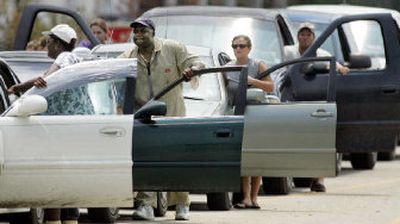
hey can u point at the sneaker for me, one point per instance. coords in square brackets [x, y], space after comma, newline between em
[182, 212]
[143, 212]
[317, 187]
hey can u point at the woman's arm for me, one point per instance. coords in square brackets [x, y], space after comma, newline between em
[265, 84]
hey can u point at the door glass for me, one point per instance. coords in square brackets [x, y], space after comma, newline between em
[329, 44]
[105, 97]
[365, 37]
[47, 20]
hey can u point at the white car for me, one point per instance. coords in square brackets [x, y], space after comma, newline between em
[97, 157]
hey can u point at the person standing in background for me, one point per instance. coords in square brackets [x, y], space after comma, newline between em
[241, 46]
[160, 62]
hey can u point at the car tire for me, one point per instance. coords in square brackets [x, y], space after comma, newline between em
[339, 158]
[103, 215]
[302, 182]
[363, 161]
[162, 204]
[34, 216]
[387, 156]
[219, 201]
[277, 185]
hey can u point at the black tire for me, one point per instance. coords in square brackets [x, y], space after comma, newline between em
[34, 216]
[277, 185]
[162, 204]
[387, 156]
[219, 201]
[363, 161]
[339, 158]
[237, 197]
[302, 182]
[103, 215]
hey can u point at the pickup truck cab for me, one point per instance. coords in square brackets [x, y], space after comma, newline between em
[322, 16]
[368, 97]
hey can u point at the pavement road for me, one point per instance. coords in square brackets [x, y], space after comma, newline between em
[367, 197]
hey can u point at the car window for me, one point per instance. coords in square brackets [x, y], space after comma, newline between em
[47, 20]
[329, 44]
[365, 37]
[104, 97]
[26, 70]
[217, 33]
[4, 100]
[208, 88]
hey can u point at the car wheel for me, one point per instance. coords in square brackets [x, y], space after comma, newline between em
[103, 215]
[339, 158]
[277, 185]
[363, 161]
[34, 216]
[302, 182]
[162, 204]
[219, 201]
[387, 156]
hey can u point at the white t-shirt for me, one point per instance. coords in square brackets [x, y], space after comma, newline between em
[292, 52]
[66, 58]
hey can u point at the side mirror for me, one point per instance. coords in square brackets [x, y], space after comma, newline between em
[223, 58]
[255, 96]
[314, 68]
[359, 61]
[150, 109]
[29, 105]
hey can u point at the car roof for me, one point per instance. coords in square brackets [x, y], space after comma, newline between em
[327, 13]
[87, 71]
[121, 47]
[28, 56]
[341, 9]
[215, 11]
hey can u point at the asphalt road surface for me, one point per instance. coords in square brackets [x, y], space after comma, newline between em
[369, 196]
[366, 197]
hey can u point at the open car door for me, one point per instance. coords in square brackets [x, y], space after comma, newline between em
[209, 154]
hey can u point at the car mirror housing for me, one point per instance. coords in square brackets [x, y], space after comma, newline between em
[358, 61]
[314, 68]
[28, 105]
[151, 108]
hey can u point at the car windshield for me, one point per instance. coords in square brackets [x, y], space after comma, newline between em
[208, 89]
[26, 70]
[217, 33]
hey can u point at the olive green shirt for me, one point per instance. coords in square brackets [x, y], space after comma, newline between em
[168, 60]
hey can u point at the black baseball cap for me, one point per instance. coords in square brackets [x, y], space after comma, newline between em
[143, 22]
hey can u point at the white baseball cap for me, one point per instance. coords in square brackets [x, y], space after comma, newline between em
[62, 31]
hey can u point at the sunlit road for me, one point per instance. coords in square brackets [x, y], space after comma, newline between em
[366, 197]
[371, 196]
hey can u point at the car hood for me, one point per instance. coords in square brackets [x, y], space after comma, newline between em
[202, 108]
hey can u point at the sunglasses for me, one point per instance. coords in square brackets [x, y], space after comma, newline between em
[241, 46]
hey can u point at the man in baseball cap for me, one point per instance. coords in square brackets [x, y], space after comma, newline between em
[143, 22]
[308, 26]
[161, 61]
[63, 31]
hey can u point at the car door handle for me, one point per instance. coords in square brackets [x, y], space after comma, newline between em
[321, 113]
[113, 132]
[389, 90]
[224, 133]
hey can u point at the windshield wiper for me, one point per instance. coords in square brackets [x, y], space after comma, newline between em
[192, 98]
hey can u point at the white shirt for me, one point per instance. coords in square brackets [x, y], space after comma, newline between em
[66, 58]
[292, 52]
